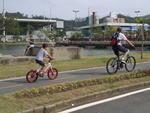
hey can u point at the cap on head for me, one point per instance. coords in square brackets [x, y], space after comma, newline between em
[119, 29]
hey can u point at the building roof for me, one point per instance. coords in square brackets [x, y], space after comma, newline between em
[115, 24]
[37, 20]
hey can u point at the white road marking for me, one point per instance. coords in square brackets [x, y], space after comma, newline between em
[81, 69]
[12, 86]
[16, 78]
[104, 101]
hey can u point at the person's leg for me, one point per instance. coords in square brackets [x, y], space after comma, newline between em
[42, 64]
[124, 50]
[116, 51]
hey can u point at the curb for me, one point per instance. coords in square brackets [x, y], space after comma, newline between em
[86, 99]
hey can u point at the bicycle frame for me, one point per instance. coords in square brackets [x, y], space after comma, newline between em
[49, 65]
[124, 54]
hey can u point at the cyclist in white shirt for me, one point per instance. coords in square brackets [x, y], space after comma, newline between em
[118, 47]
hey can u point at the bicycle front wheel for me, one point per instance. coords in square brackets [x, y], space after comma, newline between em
[52, 73]
[112, 66]
[130, 64]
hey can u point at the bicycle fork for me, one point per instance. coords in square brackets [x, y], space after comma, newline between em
[49, 67]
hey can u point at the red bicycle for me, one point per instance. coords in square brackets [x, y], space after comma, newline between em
[33, 75]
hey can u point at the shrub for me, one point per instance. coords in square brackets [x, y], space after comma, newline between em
[49, 90]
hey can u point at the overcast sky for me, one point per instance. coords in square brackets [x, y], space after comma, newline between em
[64, 8]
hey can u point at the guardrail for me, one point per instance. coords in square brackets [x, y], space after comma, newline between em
[95, 43]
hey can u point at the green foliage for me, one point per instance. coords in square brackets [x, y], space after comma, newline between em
[96, 32]
[109, 31]
[140, 20]
[12, 27]
[77, 36]
[49, 90]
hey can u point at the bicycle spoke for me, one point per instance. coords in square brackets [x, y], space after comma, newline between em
[130, 63]
[111, 66]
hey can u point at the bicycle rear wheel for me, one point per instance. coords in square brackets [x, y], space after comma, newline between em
[31, 76]
[112, 66]
[130, 63]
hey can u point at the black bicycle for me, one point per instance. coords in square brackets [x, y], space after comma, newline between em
[114, 64]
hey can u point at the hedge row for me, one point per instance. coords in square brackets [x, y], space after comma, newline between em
[49, 90]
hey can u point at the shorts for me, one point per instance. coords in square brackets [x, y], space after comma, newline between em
[41, 63]
[119, 48]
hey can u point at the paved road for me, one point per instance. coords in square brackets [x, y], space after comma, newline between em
[134, 103]
[8, 86]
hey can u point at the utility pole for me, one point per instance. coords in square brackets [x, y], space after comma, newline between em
[4, 17]
[89, 23]
[142, 45]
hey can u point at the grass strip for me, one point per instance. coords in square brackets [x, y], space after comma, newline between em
[49, 90]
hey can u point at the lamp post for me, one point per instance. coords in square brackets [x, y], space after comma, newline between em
[137, 15]
[75, 12]
[142, 45]
[137, 12]
[142, 34]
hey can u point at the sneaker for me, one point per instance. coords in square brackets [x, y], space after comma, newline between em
[41, 75]
[124, 62]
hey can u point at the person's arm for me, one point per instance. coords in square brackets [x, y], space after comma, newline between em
[128, 41]
[27, 50]
[49, 56]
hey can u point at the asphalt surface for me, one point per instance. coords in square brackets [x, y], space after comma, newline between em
[10, 86]
[138, 103]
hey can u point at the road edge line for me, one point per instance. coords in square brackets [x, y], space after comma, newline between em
[61, 106]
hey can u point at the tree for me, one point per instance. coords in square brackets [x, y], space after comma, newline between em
[12, 26]
[77, 36]
[109, 31]
[97, 33]
[1, 25]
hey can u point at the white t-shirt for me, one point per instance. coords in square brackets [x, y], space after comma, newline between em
[32, 45]
[121, 38]
[41, 54]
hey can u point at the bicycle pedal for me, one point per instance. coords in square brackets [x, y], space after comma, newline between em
[41, 75]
